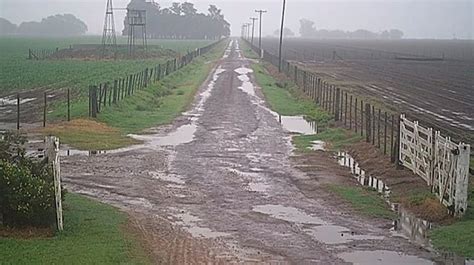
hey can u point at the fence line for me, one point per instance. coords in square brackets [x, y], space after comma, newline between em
[444, 165]
[108, 93]
[111, 92]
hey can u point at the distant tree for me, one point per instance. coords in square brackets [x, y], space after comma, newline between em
[6, 27]
[287, 32]
[307, 29]
[176, 8]
[57, 25]
[396, 34]
[181, 21]
[188, 9]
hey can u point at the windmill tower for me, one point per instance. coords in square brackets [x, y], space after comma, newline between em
[109, 39]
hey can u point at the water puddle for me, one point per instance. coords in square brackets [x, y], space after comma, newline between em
[317, 146]
[189, 223]
[334, 234]
[167, 177]
[182, 135]
[289, 214]
[12, 100]
[299, 125]
[382, 257]
[246, 86]
[346, 160]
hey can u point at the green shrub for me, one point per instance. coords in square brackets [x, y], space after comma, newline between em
[26, 186]
[27, 197]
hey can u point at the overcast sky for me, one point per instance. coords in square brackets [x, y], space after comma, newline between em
[416, 18]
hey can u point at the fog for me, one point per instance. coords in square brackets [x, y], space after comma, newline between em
[417, 19]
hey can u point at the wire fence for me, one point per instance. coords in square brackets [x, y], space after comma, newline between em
[379, 125]
[31, 108]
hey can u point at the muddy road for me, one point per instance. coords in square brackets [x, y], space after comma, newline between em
[220, 186]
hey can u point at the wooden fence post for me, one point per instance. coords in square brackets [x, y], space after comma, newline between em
[18, 111]
[52, 154]
[337, 104]
[385, 134]
[94, 102]
[378, 128]
[361, 117]
[356, 125]
[392, 153]
[368, 122]
[373, 124]
[68, 105]
[45, 106]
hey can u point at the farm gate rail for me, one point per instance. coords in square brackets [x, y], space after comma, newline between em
[443, 164]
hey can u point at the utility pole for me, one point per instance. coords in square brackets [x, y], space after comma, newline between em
[261, 12]
[281, 34]
[248, 30]
[253, 27]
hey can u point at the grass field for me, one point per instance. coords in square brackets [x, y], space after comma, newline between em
[18, 73]
[158, 104]
[94, 233]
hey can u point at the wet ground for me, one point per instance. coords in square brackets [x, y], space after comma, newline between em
[220, 186]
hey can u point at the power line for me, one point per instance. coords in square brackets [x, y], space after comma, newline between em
[281, 34]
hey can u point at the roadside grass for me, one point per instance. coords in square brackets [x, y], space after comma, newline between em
[87, 134]
[248, 52]
[458, 237]
[94, 233]
[335, 139]
[285, 98]
[363, 200]
[155, 105]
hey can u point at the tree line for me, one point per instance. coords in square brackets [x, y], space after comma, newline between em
[308, 30]
[57, 25]
[180, 21]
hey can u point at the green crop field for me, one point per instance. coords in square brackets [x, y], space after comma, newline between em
[19, 74]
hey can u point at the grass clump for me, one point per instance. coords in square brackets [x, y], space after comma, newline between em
[458, 237]
[363, 200]
[335, 139]
[93, 233]
[87, 134]
[286, 99]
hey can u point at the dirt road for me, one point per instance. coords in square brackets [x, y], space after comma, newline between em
[219, 186]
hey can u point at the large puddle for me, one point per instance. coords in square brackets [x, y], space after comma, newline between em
[382, 257]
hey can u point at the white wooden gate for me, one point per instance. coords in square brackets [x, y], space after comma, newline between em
[443, 164]
[451, 173]
[416, 148]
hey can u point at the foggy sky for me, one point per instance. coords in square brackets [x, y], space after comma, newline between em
[416, 18]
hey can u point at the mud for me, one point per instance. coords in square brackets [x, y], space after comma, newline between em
[232, 192]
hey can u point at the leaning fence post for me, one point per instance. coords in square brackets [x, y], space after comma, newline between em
[52, 154]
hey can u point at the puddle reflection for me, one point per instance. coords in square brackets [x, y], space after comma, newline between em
[298, 124]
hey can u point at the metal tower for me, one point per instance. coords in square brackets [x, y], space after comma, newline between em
[109, 38]
[136, 29]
